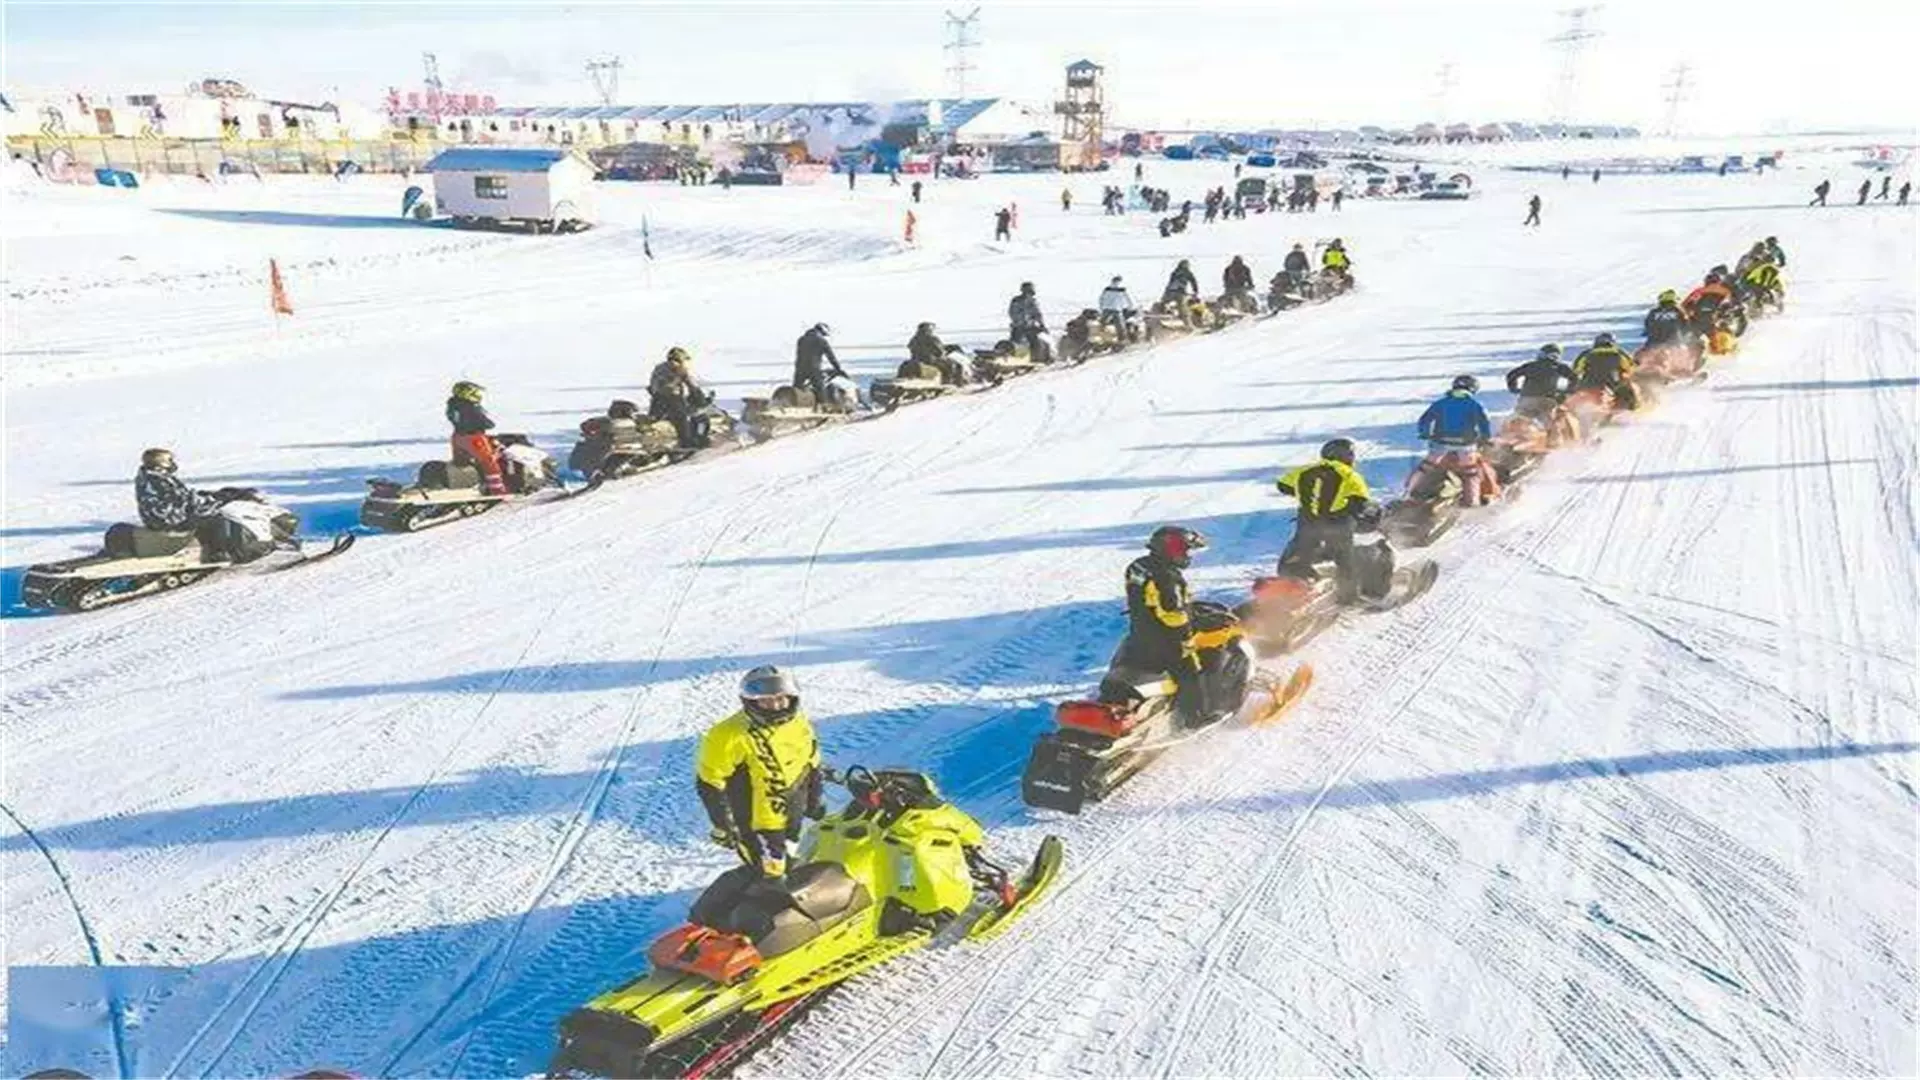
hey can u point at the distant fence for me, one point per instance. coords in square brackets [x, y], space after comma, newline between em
[74, 158]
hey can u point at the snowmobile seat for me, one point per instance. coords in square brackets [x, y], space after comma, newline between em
[133, 541]
[792, 397]
[778, 919]
[914, 369]
[823, 891]
[445, 475]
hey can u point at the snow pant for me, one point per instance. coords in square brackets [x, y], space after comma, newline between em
[1117, 320]
[1036, 342]
[479, 450]
[1001, 232]
[1536, 407]
[1331, 539]
[814, 382]
[1533, 218]
[1170, 654]
[691, 430]
[1480, 483]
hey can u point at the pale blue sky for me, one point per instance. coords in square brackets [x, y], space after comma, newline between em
[1756, 65]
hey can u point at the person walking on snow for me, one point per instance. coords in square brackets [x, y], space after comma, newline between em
[757, 772]
[470, 440]
[1003, 224]
[1866, 188]
[1339, 196]
[1066, 200]
[1886, 187]
[915, 191]
[1820, 191]
[1906, 188]
[1533, 211]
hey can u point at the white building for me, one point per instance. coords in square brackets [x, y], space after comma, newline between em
[212, 109]
[551, 190]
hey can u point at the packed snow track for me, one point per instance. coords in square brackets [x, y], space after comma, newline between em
[1632, 791]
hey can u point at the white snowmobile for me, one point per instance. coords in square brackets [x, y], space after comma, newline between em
[446, 491]
[791, 409]
[1139, 714]
[625, 441]
[136, 561]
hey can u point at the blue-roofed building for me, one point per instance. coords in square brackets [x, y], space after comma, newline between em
[551, 189]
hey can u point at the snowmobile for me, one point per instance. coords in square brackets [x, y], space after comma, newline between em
[1138, 714]
[913, 381]
[1236, 305]
[1593, 407]
[1088, 336]
[1674, 362]
[625, 441]
[446, 491]
[1523, 442]
[897, 868]
[1004, 361]
[792, 409]
[1293, 606]
[1180, 315]
[1438, 488]
[136, 561]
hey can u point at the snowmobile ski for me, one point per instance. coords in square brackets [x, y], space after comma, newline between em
[1282, 695]
[339, 543]
[1410, 583]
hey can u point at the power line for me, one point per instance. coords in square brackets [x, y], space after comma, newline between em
[1572, 44]
[960, 42]
[605, 74]
[1676, 88]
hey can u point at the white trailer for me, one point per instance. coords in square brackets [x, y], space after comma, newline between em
[546, 190]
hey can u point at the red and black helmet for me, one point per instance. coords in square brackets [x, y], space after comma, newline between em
[1176, 544]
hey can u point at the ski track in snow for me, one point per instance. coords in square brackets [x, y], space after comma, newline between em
[1631, 791]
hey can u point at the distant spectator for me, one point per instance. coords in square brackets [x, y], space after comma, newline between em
[1003, 224]
[1906, 189]
[1820, 192]
[1533, 211]
[1886, 187]
[1866, 188]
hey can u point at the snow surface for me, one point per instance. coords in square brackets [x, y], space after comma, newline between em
[1632, 791]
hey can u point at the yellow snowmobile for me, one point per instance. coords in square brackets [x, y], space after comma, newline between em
[893, 869]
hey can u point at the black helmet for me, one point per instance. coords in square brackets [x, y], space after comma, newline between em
[1026, 288]
[925, 327]
[1772, 241]
[822, 329]
[1603, 340]
[1176, 544]
[1722, 270]
[1550, 351]
[1466, 382]
[158, 458]
[769, 696]
[1182, 264]
[1340, 450]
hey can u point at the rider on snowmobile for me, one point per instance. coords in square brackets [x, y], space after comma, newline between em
[470, 440]
[758, 772]
[1454, 427]
[1335, 259]
[1666, 323]
[1297, 265]
[675, 397]
[1775, 252]
[1607, 366]
[1703, 304]
[925, 347]
[166, 503]
[1334, 504]
[1181, 284]
[1159, 612]
[1026, 326]
[1116, 306]
[1540, 384]
[1238, 276]
[814, 362]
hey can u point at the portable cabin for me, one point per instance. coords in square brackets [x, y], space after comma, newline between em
[546, 190]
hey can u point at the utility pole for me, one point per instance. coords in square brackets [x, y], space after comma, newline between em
[960, 43]
[1572, 45]
[1442, 92]
[436, 90]
[1676, 88]
[605, 74]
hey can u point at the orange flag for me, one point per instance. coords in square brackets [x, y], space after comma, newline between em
[911, 222]
[281, 305]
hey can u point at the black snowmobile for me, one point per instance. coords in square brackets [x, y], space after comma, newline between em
[1428, 510]
[446, 491]
[136, 561]
[1138, 714]
[1298, 602]
[626, 441]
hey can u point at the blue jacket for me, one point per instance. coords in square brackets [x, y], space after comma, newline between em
[1457, 417]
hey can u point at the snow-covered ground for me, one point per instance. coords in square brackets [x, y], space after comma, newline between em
[1632, 791]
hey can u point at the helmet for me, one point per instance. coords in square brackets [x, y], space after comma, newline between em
[1340, 450]
[1176, 544]
[1299, 247]
[1722, 270]
[1771, 241]
[1026, 288]
[926, 327]
[1089, 313]
[1713, 276]
[1115, 283]
[1668, 296]
[1550, 351]
[1336, 244]
[822, 329]
[1466, 382]
[1603, 341]
[678, 355]
[159, 458]
[769, 696]
[1181, 265]
[468, 391]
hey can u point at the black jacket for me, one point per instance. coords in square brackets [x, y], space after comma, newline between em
[1298, 263]
[1603, 367]
[812, 356]
[467, 417]
[926, 348]
[1158, 616]
[1183, 275]
[1540, 378]
[166, 502]
[1239, 276]
[1664, 324]
[1024, 314]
